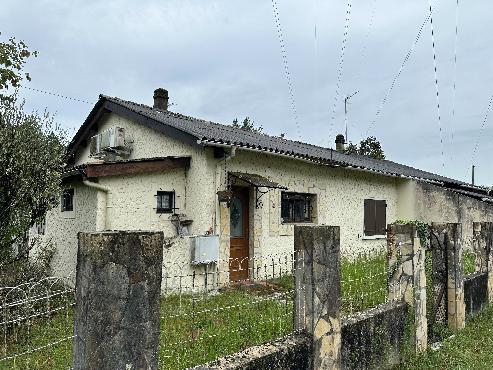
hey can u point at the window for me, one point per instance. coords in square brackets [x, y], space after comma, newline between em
[297, 207]
[165, 201]
[40, 226]
[375, 217]
[68, 200]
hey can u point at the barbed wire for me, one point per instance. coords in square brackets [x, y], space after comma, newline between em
[454, 88]
[485, 119]
[436, 85]
[59, 95]
[396, 77]
[341, 67]
[284, 57]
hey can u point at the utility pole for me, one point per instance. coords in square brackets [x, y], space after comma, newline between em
[346, 99]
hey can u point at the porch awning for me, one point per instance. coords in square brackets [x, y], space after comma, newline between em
[257, 180]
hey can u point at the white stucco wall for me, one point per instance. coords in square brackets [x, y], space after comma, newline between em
[340, 195]
[62, 228]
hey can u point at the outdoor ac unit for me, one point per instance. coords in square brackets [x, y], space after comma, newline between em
[110, 140]
[205, 249]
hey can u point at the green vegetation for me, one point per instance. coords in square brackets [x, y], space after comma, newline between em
[469, 260]
[199, 328]
[195, 329]
[363, 282]
[470, 349]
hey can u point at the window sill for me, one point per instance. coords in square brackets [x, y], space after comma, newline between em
[299, 223]
[373, 237]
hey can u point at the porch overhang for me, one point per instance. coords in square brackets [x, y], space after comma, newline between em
[257, 180]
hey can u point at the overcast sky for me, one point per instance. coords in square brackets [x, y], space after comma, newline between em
[222, 59]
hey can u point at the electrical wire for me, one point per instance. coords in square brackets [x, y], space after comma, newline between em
[284, 57]
[341, 66]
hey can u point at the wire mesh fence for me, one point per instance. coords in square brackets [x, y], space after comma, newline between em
[225, 308]
[364, 279]
[36, 324]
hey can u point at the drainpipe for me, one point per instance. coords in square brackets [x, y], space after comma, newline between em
[101, 218]
[217, 181]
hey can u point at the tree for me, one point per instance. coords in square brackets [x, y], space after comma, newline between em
[13, 56]
[31, 154]
[247, 125]
[370, 147]
[31, 161]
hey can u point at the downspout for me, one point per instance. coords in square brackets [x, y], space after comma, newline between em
[218, 186]
[101, 219]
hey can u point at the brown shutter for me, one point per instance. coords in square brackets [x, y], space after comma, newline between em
[381, 216]
[369, 215]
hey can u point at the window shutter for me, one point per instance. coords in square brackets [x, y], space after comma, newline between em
[369, 216]
[381, 216]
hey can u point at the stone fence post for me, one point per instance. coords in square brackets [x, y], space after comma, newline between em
[318, 292]
[407, 277]
[483, 235]
[118, 286]
[450, 235]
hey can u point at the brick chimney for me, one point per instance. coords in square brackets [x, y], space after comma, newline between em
[340, 143]
[161, 99]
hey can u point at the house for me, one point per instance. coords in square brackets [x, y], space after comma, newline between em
[133, 166]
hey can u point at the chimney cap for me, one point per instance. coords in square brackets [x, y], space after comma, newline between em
[161, 93]
[340, 139]
[160, 99]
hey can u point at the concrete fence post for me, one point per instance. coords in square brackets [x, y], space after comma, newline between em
[118, 284]
[318, 292]
[483, 235]
[450, 235]
[407, 277]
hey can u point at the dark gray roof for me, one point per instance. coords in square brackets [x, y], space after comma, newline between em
[206, 132]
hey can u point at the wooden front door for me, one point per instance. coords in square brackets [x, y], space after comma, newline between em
[239, 230]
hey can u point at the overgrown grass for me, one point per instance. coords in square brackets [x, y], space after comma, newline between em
[470, 349]
[199, 328]
[194, 329]
[364, 282]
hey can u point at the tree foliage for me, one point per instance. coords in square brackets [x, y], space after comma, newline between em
[247, 125]
[370, 147]
[31, 160]
[13, 56]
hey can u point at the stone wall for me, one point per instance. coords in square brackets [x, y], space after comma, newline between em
[288, 353]
[375, 339]
[475, 293]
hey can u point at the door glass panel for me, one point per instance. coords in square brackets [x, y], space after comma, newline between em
[236, 217]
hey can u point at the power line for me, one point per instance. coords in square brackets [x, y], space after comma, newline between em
[485, 119]
[59, 95]
[396, 77]
[341, 66]
[436, 84]
[284, 57]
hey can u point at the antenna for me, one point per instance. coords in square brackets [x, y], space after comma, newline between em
[473, 167]
[346, 99]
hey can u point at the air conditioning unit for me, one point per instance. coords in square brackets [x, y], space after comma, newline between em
[109, 141]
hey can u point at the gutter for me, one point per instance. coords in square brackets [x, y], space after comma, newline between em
[107, 191]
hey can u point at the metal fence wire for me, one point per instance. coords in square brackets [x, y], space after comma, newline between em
[364, 279]
[225, 308]
[36, 324]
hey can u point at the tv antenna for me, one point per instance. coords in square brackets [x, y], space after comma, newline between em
[346, 99]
